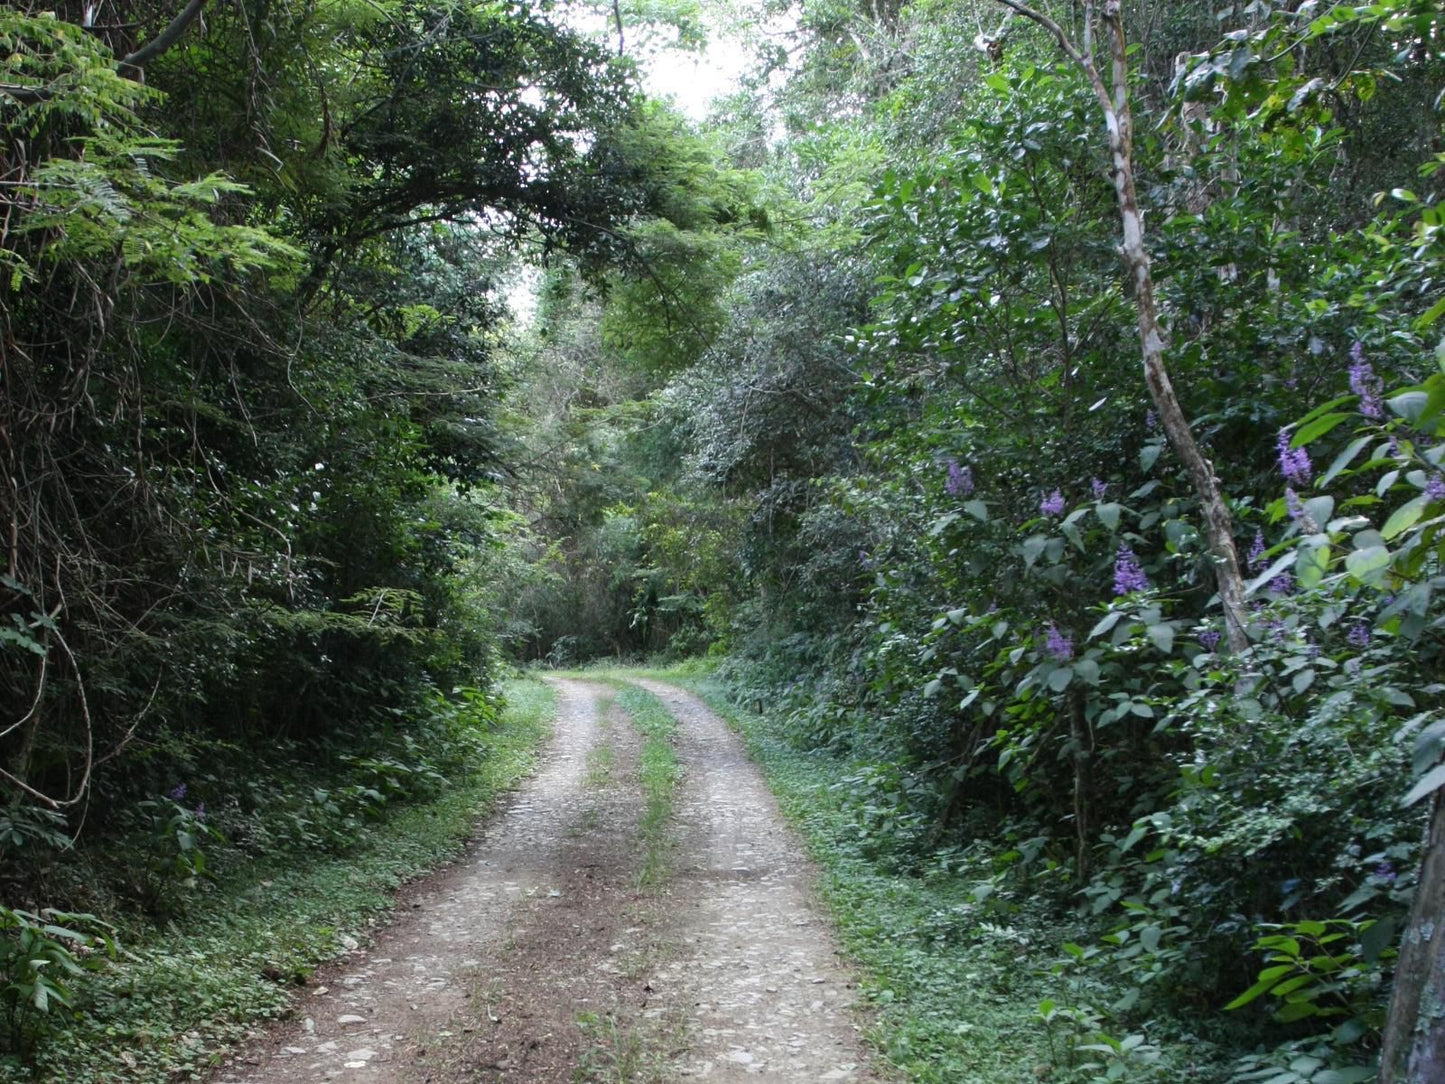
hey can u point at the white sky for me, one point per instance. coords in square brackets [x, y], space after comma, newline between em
[693, 81]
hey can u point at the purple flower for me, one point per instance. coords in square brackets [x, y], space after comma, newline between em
[201, 812]
[1282, 584]
[1386, 872]
[1435, 488]
[1128, 576]
[1099, 488]
[1057, 644]
[1053, 504]
[1394, 446]
[960, 480]
[1293, 505]
[1256, 553]
[1299, 513]
[1151, 420]
[1294, 463]
[178, 793]
[1365, 384]
[1209, 639]
[1359, 634]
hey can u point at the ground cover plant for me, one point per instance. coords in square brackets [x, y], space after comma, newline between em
[232, 947]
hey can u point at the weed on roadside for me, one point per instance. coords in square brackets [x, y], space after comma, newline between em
[229, 960]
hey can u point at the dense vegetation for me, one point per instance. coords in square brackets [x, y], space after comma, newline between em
[904, 476]
[843, 389]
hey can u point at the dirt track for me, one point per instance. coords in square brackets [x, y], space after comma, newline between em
[536, 957]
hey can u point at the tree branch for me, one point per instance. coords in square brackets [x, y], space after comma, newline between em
[162, 41]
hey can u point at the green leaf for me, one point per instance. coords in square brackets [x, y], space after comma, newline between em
[1404, 517]
[1345, 458]
[1368, 565]
[1320, 509]
[977, 509]
[1161, 636]
[1109, 515]
[1033, 548]
[1060, 678]
[1105, 623]
[1317, 428]
[1430, 782]
[1355, 1074]
[1149, 455]
[1313, 563]
[1267, 979]
[1409, 405]
[1149, 937]
[1323, 409]
[1376, 938]
[1430, 315]
[1280, 563]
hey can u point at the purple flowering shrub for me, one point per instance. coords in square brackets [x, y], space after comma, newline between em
[175, 863]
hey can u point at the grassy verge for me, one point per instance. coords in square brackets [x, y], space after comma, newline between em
[227, 963]
[957, 980]
[659, 773]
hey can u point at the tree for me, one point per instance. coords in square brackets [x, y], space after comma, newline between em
[1108, 23]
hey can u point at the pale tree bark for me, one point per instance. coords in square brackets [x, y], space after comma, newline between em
[1414, 1039]
[1119, 123]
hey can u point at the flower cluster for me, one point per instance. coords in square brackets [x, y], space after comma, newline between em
[1099, 488]
[1256, 553]
[1365, 384]
[1435, 488]
[1128, 576]
[178, 793]
[1297, 512]
[1057, 644]
[960, 480]
[1053, 504]
[1209, 639]
[1359, 634]
[1294, 463]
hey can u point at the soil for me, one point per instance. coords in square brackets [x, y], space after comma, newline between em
[539, 957]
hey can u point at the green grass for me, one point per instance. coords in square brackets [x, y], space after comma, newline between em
[659, 774]
[201, 982]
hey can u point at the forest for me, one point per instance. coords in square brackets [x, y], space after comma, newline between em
[1028, 421]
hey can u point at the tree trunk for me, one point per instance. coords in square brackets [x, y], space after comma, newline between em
[1414, 1040]
[1218, 524]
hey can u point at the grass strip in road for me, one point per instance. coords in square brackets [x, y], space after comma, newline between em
[659, 772]
[601, 758]
[220, 968]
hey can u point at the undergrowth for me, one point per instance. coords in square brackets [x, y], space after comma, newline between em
[228, 960]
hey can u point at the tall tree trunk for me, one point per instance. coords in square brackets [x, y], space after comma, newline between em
[1414, 1040]
[1118, 121]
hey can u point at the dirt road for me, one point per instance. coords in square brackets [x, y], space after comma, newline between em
[539, 957]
